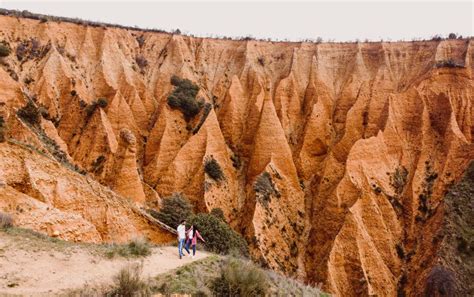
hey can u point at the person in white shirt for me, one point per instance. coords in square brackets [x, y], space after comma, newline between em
[181, 237]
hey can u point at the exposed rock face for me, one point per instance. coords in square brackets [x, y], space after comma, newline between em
[335, 156]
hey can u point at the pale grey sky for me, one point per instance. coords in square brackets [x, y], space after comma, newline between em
[335, 20]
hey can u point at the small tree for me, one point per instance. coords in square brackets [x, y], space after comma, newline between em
[220, 238]
[174, 209]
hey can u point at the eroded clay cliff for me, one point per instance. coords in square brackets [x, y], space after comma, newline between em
[335, 156]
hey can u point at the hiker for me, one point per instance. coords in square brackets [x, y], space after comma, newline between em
[181, 237]
[189, 238]
[196, 235]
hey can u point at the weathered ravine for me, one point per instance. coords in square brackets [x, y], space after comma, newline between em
[336, 156]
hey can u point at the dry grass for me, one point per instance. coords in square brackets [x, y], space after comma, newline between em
[6, 220]
[129, 283]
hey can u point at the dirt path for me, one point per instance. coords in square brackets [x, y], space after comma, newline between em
[32, 268]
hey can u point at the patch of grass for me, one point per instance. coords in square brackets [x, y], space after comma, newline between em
[174, 209]
[213, 169]
[240, 278]
[183, 97]
[33, 236]
[193, 279]
[135, 248]
[128, 283]
[199, 277]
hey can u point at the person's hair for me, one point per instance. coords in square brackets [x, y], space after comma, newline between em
[182, 221]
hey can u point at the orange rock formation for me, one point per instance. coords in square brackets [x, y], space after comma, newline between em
[335, 156]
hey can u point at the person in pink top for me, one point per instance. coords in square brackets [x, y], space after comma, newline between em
[194, 239]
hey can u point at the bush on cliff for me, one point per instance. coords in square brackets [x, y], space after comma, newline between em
[101, 102]
[213, 169]
[174, 209]
[31, 113]
[219, 236]
[4, 49]
[183, 97]
[240, 278]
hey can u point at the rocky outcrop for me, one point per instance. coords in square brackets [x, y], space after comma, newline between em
[335, 157]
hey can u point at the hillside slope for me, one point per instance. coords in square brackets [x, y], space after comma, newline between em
[354, 144]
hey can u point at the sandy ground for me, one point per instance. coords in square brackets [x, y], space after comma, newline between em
[28, 268]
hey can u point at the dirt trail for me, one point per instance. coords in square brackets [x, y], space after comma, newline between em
[32, 268]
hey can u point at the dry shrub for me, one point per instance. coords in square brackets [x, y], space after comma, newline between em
[6, 220]
[129, 283]
[240, 278]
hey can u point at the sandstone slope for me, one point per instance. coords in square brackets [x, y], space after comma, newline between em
[335, 156]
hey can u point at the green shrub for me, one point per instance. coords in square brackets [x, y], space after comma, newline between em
[128, 283]
[6, 220]
[218, 213]
[183, 97]
[4, 49]
[219, 237]
[174, 209]
[240, 278]
[30, 113]
[101, 102]
[213, 169]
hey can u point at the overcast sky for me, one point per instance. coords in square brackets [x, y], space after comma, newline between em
[340, 21]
